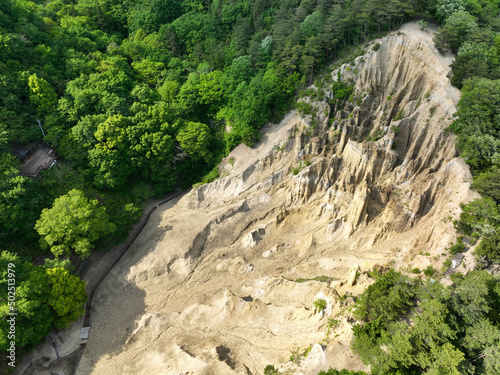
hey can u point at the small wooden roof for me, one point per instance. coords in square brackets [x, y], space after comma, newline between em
[458, 257]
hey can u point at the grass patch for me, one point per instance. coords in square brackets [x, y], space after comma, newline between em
[399, 116]
[323, 279]
[379, 133]
[320, 304]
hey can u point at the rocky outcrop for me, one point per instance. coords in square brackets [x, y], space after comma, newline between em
[226, 280]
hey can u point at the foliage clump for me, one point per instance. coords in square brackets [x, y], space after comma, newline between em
[387, 299]
[305, 109]
[332, 371]
[432, 329]
[73, 224]
[320, 304]
[67, 296]
[429, 271]
[270, 370]
[44, 299]
[341, 90]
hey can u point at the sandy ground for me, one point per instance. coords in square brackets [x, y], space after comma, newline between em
[414, 30]
[67, 341]
[208, 287]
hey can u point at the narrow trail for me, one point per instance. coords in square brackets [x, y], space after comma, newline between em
[123, 250]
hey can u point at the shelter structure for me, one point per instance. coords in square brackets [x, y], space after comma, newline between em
[35, 157]
[456, 260]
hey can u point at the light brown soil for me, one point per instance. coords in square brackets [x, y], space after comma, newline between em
[209, 286]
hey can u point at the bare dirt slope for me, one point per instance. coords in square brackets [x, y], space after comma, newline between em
[209, 286]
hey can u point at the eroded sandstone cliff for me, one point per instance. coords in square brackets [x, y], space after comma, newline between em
[210, 286]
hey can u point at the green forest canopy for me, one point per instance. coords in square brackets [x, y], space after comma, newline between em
[427, 328]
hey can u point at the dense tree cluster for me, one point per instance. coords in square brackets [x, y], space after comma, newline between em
[471, 29]
[341, 372]
[44, 298]
[73, 223]
[428, 328]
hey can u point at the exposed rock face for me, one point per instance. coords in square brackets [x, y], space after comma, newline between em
[208, 287]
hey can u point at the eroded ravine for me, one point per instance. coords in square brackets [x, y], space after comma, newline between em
[207, 288]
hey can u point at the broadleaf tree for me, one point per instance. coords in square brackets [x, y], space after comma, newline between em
[67, 296]
[73, 224]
